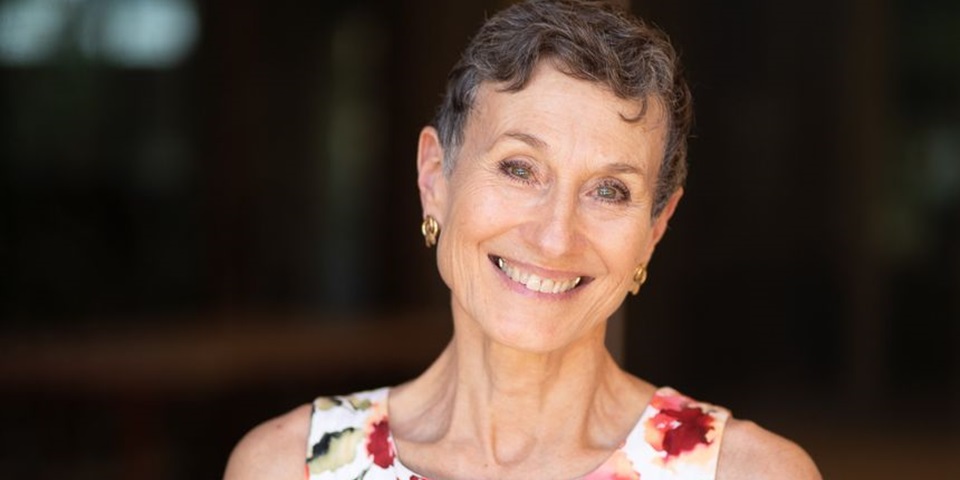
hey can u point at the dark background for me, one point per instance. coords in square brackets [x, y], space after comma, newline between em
[192, 243]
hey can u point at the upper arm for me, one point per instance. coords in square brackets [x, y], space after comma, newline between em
[749, 452]
[275, 449]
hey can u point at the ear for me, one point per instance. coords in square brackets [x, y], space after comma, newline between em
[430, 177]
[660, 223]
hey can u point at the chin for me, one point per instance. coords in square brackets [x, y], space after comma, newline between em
[533, 335]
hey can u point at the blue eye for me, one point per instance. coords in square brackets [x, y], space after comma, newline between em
[517, 170]
[521, 172]
[612, 192]
[607, 192]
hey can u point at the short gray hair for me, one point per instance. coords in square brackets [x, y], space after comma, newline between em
[588, 40]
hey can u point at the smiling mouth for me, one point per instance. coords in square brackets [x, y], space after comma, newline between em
[535, 282]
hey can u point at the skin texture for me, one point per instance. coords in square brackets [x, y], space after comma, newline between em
[555, 182]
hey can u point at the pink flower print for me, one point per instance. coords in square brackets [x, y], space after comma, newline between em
[617, 467]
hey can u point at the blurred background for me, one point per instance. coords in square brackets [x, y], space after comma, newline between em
[209, 215]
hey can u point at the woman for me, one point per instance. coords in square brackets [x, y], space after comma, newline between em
[556, 160]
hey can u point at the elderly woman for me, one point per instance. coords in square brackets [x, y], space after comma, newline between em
[553, 166]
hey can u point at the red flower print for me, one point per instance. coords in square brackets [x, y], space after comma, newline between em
[682, 429]
[379, 445]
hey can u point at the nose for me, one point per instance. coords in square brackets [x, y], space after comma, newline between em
[557, 229]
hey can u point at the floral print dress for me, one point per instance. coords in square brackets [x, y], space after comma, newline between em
[675, 438]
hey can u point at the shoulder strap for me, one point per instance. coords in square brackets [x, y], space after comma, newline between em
[677, 437]
[342, 430]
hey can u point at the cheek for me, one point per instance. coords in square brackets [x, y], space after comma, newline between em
[469, 220]
[477, 208]
[623, 249]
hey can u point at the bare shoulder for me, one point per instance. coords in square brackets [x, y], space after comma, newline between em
[274, 449]
[749, 452]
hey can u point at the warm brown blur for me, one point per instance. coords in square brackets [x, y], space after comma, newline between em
[200, 234]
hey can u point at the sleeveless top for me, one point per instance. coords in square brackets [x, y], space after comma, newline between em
[675, 438]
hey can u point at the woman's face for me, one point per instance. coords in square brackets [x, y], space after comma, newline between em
[548, 211]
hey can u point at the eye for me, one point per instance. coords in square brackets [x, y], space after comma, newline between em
[517, 170]
[612, 191]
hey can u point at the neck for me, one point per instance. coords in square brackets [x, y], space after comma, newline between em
[496, 375]
[516, 399]
[519, 404]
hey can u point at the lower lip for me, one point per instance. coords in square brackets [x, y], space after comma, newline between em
[523, 290]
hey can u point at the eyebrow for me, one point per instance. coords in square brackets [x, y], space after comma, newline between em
[625, 168]
[531, 140]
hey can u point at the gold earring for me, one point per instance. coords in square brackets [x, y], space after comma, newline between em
[430, 229]
[639, 276]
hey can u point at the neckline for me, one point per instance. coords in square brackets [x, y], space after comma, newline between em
[405, 472]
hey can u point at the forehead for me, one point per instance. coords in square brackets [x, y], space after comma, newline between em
[568, 115]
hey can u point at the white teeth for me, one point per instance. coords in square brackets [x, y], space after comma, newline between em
[534, 282]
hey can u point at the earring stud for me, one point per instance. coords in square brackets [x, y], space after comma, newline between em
[639, 277]
[430, 229]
